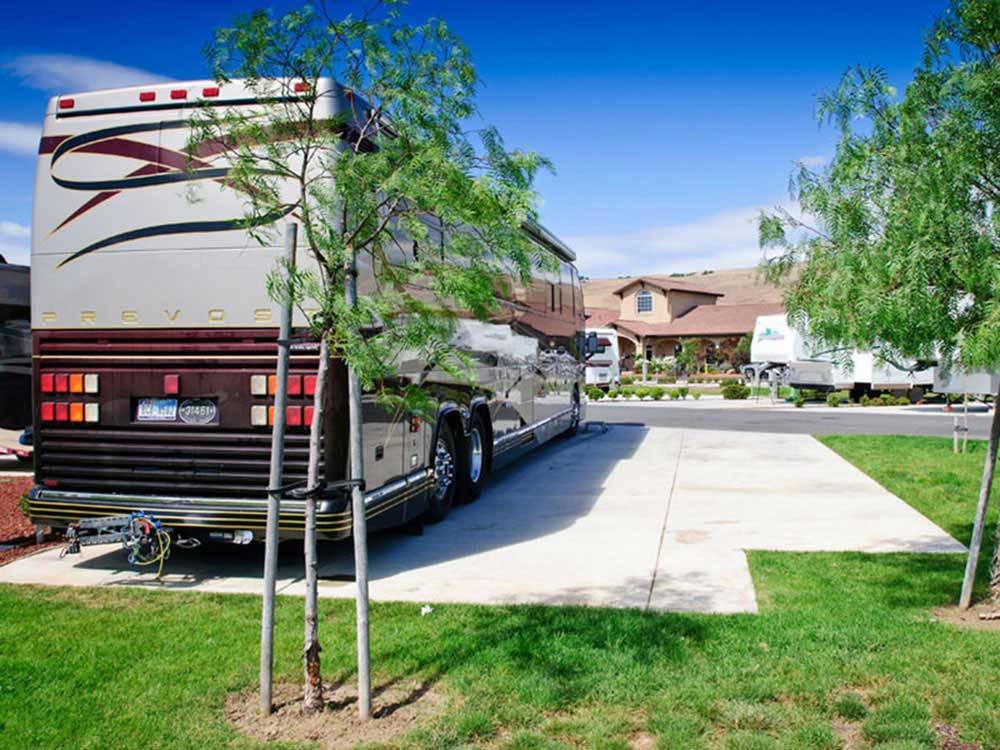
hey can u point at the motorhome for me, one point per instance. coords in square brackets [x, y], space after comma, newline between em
[155, 342]
[603, 368]
[785, 355]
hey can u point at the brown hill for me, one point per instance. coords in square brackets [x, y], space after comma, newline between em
[740, 286]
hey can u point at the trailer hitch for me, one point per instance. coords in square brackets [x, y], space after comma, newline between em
[146, 540]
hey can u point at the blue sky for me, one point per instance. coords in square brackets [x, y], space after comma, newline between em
[669, 123]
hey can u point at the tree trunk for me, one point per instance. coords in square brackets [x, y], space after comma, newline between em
[312, 698]
[965, 600]
[358, 513]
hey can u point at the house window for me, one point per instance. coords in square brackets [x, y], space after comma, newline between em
[644, 302]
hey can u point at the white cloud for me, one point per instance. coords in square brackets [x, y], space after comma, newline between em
[19, 139]
[15, 242]
[812, 162]
[66, 74]
[722, 240]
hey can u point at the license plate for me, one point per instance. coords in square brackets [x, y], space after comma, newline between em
[157, 410]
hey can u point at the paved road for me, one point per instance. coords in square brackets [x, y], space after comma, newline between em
[814, 420]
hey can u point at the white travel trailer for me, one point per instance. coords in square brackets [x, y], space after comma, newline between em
[972, 382]
[789, 357]
[603, 369]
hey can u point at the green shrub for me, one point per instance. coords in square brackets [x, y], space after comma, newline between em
[865, 400]
[613, 393]
[627, 379]
[674, 394]
[657, 392]
[696, 395]
[641, 392]
[800, 401]
[836, 398]
[593, 392]
[735, 391]
[902, 401]
[683, 392]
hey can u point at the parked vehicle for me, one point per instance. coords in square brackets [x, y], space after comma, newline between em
[15, 346]
[603, 367]
[156, 343]
[786, 356]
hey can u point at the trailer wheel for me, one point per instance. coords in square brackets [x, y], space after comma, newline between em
[476, 460]
[446, 468]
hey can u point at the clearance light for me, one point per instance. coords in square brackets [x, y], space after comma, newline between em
[62, 383]
[270, 415]
[309, 385]
[258, 416]
[178, 94]
[76, 411]
[294, 385]
[47, 383]
[62, 412]
[210, 91]
[90, 383]
[172, 384]
[47, 411]
[258, 385]
[293, 416]
[76, 382]
[66, 104]
[272, 385]
[147, 96]
[91, 413]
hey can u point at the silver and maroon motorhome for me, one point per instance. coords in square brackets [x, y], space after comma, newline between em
[154, 344]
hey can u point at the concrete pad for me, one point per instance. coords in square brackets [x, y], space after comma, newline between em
[645, 518]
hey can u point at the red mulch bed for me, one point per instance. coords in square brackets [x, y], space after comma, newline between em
[14, 527]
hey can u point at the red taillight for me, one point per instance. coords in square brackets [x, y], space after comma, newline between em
[47, 411]
[307, 415]
[294, 385]
[301, 86]
[62, 412]
[47, 383]
[66, 104]
[62, 383]
[50, 482]
[414, 424]
[293, 416]
[178, 94]
[210, 91]
[172, 384]
[309, 383]
[147, 96]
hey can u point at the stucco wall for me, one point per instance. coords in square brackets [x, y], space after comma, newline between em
[682, 302]
[660, 313]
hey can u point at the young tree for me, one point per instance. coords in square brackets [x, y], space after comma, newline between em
[361, 136]
[900, 248]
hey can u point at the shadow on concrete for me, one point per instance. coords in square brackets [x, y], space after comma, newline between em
[541, 494]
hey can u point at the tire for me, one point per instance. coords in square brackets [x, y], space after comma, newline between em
[447, 463]
[475, 460]
[574, 425]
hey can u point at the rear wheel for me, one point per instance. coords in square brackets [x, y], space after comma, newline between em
[476, 459]
[574, 418]
[442, 495]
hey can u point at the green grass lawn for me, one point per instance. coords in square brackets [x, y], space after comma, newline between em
[843, 640]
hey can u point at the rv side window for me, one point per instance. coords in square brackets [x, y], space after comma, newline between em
[552, 297]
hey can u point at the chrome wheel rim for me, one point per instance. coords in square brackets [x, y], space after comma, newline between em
[444, 469]
[475, 455]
